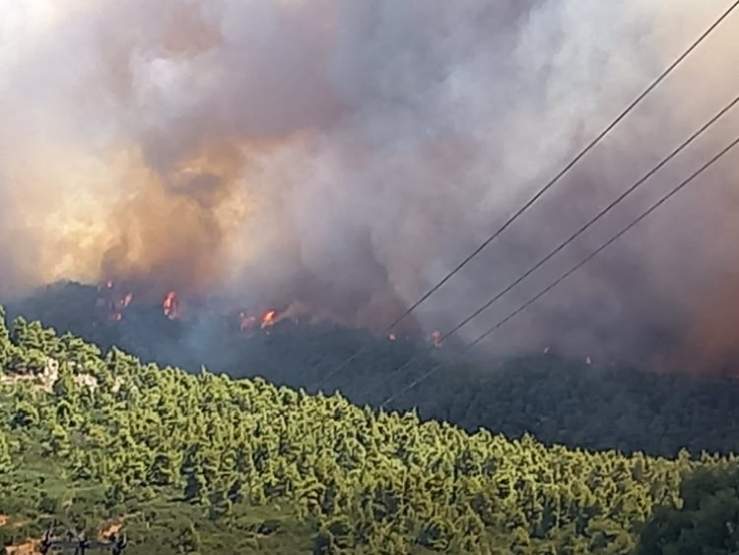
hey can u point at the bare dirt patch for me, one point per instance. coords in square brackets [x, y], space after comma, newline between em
[31, 547]
[112, 527]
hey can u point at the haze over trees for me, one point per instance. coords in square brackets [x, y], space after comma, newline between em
[556, 399]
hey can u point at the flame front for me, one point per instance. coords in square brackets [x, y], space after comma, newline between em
[249, 322]
[171, 305]
[269, 319]
[113, 303]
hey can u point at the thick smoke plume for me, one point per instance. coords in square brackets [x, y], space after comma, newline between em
[345, 155]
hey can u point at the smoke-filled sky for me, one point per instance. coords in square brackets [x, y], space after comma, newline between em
[346, 155]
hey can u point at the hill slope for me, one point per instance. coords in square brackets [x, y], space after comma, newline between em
[558, 400]
[207, 463]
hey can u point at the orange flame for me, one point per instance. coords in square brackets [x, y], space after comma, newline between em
[113, 303]
[171, 305]
[269, 319]
[120, 306]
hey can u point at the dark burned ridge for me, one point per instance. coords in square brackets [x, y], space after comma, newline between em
[555, 399]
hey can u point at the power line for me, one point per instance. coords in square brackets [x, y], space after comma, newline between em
[583, 228]
[615, 202]
[541, 191]
[574, 268]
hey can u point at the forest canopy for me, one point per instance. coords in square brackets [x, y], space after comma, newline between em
[358, 479]
[557, 399]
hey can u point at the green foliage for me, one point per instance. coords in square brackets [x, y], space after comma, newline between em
[6, 462]
[706, 524]
[188, 540]
[48, 504]
[6, 346]
[606, 405]
[25, 414]
[365, 481]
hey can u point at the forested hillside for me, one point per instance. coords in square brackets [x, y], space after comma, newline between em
[205, 463]
[556, 399]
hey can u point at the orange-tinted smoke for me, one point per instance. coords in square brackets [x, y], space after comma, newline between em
[711, 343]
[171, 231]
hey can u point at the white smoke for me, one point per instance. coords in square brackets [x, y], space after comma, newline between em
[348, 154]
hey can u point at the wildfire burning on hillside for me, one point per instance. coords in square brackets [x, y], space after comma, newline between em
[332, 161]
[171, 305]
[113, 302]
[269, 319]
[250, 322]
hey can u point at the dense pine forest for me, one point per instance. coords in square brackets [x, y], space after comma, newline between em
[203, 463]
[369, 278]
[603, 405]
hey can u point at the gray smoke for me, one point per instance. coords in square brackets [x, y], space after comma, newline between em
[345, 155]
